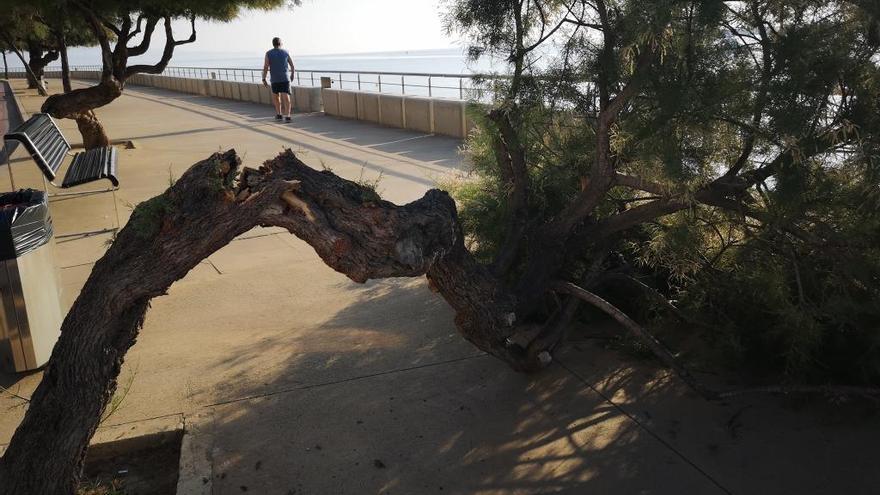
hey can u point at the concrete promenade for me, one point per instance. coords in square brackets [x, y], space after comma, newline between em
[301, 381]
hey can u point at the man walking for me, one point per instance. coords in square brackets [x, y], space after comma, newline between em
[276, 62]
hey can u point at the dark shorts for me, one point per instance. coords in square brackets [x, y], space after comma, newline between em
[281, 87]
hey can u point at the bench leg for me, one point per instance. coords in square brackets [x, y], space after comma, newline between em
[116, 209]
[89, 233]
[81, 193]
[9, 166]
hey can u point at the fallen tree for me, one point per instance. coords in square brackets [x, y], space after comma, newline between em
[351, 229]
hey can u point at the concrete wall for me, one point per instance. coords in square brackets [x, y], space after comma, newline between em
[429, 115]
[419, 114]
[368, 107]
[330, 97]
[348, 104]
[392, 110]
[450, 118]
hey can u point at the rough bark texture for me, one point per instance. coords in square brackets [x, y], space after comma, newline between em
[92, 131]
[352, 229]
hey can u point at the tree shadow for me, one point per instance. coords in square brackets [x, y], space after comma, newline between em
[749, 444]
[413, 409]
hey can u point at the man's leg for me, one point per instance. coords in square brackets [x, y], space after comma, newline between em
[285, 104]
[276, 100]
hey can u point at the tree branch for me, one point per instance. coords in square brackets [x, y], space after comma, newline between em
[103, 39]
[511, 154]
[167, 53]
[656, 347]
[137, 30]
[144, 45]
[635, 182]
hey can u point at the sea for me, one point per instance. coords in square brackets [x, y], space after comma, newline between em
[442, 60]
[452, 62]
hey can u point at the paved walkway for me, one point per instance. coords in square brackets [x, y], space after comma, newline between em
[304, 382]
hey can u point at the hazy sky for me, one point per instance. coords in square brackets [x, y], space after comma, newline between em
[316, 27]
[333, 26]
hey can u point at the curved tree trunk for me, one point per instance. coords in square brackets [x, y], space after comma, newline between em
[79, 105]
[350, 228]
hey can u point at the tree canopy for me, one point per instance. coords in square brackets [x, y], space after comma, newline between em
[724, 153]
[126, 29]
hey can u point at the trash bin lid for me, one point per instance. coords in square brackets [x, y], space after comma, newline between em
[25, 223]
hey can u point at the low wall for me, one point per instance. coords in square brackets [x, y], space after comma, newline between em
[305, 99]
[428, 115]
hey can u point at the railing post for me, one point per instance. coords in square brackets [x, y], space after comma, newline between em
[460, 88]
[359, 81]
[312, 74]
[340, 80]
[402, 85]
[429, 86]
[380, 83]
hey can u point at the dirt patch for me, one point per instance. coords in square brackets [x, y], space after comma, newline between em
[133, 467]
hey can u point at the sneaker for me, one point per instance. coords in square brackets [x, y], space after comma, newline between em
[287, 119]
[278, 117]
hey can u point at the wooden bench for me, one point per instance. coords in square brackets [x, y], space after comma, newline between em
[42, 138]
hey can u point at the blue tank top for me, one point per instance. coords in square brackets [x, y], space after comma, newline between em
[277, 65]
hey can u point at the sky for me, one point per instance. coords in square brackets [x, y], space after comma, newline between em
[316, 27]
[335, 26]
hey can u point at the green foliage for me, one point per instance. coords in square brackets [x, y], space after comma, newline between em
[216, 10]
[784, 271]
[147, 217]
[369, 187]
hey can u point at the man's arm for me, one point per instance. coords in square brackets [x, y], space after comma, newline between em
[292, 68]
[265, 69]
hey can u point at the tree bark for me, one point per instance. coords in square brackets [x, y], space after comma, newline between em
[27, 68]
[92, 131]
[65, 64]
[350, 228]
[5, 67]
[78, 104]
[38, 61]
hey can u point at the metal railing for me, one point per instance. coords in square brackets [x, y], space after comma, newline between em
[457, 86]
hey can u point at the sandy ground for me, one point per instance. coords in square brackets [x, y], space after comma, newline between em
[312, 384]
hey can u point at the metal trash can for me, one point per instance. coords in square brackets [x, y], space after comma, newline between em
[30, 288]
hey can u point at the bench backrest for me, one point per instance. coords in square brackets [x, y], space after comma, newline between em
[44, 141]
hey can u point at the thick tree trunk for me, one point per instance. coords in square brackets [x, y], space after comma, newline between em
[27, 68]
[92, 131]
[38, 61]
[350, 228]
[36, 72]
[65, 64]
[79, 105]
